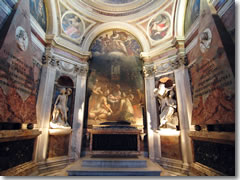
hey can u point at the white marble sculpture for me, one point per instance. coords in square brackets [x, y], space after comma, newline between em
[168, 105]
[59, 115]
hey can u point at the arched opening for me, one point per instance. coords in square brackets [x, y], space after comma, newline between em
[115, 90]
[65, 81]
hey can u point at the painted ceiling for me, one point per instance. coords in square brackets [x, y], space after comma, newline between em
[116, 8]
[150, 21]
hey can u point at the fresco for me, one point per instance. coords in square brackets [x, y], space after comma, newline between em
[159, 26]
[38, 11]
[72, 25]
[192, 13]
[115, 83]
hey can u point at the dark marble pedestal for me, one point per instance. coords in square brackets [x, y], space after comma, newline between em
[114, 140]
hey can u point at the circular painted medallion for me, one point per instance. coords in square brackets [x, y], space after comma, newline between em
[21, 38]
[72, 25]
[159, 27]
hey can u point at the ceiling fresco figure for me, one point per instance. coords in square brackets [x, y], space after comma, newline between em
[72, 25]
[159, 26]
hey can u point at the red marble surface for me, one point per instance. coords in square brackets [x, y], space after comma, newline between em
[214, 103]
[19, 77]
[170, 147]
[58, 145]
[14, 109]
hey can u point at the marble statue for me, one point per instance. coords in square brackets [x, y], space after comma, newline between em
[168, 106]
[59, 115]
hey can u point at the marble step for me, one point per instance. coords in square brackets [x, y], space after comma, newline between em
[114, 163]
[114, 167]
[114, 173]
[53, 164]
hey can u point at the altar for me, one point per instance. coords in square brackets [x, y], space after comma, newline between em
[114, 140]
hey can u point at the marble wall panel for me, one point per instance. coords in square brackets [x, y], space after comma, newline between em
[211, 74]
[19, 75]
[58, 145]
[170, 147]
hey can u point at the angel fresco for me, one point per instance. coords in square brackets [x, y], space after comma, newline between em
[159, 27]
[72, 25]
[116, 41]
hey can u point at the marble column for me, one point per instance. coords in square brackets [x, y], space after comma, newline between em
[184, 101]
[45, 95]
[154, 146]
[78, 116]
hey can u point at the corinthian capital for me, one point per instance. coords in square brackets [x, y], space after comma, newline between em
[81, 69]
[149, 70]
[48, 58]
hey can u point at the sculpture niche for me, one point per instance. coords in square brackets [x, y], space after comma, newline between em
[59, 115]
[168, 105]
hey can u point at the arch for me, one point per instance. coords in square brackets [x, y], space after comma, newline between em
[52, 28]
[116, 25]
[65, 81]
[179, 19]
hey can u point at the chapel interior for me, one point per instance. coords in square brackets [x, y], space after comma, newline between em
[117, 88]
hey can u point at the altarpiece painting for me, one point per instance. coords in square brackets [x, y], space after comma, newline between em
[115, 83]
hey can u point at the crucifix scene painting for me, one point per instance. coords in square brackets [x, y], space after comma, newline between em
[115, 83]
